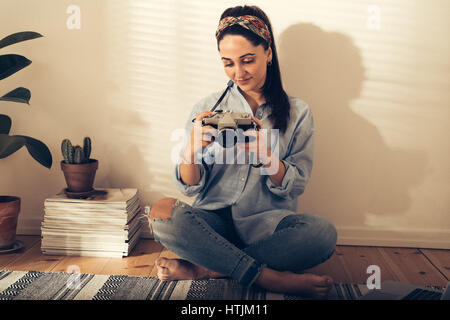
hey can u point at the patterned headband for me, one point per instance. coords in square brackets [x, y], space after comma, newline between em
[251, 23]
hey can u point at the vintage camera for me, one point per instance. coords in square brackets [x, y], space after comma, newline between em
[230, 126]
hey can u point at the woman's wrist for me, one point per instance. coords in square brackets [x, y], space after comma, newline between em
[187, 157]
[189, 171]
[273, 167]
[267, 158]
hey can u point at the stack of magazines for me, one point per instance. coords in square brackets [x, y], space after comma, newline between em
[107, 224]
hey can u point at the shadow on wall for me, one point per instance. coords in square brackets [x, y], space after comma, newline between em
[124, 164]
[357, 179]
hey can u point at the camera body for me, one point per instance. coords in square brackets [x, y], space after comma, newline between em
[230, 126]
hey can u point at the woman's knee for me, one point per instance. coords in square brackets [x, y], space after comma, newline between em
[325, 235]
[317, 229]
[167, 219]
[300, 242]
[316, 238]
[162, 209]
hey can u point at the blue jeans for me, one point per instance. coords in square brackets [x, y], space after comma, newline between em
[208, 239]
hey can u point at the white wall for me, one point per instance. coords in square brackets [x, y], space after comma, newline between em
[378, 85]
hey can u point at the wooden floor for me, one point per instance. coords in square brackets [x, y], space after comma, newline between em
[348, 264]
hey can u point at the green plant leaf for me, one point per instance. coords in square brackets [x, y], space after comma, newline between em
[19, 37]
[5, 124]
[10, 144]
[11, 63]
[37, 149]
[20, 94]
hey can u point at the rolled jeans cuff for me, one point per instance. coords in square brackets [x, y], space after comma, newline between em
[247, 271]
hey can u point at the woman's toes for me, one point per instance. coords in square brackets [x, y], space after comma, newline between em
[324, 281]
[161, 262]
[179, 269]
[163, 274]
[174, 269]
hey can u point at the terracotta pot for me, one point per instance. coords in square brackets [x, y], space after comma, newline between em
[80, 177]
[9, 213]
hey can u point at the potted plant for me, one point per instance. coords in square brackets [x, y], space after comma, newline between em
[10, 205]
[79, 169]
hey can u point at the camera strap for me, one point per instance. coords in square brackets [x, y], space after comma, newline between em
[229, 85]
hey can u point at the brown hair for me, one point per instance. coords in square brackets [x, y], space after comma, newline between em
[276, 98]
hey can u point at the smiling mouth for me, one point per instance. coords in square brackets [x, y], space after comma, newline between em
[244, 80]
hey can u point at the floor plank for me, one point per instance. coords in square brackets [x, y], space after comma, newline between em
[410, 265]
[139, 263]
[33, 259]
[440, 259]
[335, 267]
[71, 264]
[348, 263]
[9, 258]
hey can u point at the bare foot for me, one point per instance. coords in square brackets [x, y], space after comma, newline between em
[304, 284]
[179, 269]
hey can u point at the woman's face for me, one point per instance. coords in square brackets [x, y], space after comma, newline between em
[244, 63]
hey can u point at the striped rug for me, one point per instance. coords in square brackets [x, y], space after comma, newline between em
[35, 285]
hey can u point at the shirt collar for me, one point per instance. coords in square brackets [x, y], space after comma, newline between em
[245, 103]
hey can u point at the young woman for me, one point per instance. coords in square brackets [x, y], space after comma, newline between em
[243, 223]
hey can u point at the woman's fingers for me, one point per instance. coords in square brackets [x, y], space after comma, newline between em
[201, 115]
[203, 135]
[208, 133]
[252, 138]
[257, 144]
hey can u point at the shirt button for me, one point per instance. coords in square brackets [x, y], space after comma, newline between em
[242, 179]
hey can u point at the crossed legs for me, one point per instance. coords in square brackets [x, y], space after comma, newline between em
[200, 238]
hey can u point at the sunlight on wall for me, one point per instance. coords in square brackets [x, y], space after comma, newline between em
[162, 63]
[376, 76]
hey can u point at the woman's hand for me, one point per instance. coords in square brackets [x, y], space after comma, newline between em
[258, 145]
[201, 137]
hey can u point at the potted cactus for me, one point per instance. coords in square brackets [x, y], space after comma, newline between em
[79, 169]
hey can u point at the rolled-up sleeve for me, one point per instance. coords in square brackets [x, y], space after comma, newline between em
[186, 189]
[190, 190]
[298, 160]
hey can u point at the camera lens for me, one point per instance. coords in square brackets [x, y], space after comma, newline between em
[243, 138]
[227, 138]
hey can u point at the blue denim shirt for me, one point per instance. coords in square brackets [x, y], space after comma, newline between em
[257, 204]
